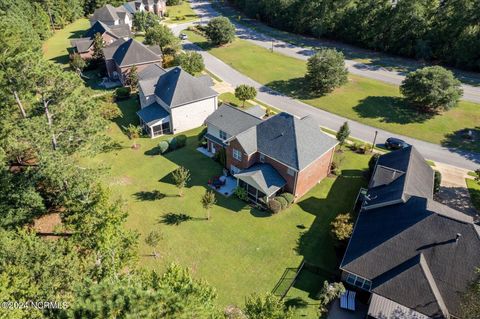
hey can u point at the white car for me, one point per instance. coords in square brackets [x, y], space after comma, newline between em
[183, 36]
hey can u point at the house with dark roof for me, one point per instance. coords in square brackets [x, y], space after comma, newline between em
[84, 45]
[413, 255]
[173, 101]
[158, 7]
[112, 16]
[122, 54]
[267, 156]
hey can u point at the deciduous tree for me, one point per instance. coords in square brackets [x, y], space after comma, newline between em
[192, 62]
[208, 200]
[245, 92]
[181, 176]
[326, 71]
[343, 133]
[220, 31]
[266, 306]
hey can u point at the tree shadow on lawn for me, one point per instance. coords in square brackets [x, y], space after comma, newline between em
[296, 88]
[150, 195]
[175, 219]
[129, 109]
[316, 244]
[390, 109]
[459, 142]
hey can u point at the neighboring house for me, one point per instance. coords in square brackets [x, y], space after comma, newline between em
[122, 54]
[111, 16]
[280, 153]
[84, 46]
[173, 101]
[414, 255]
[159, 7]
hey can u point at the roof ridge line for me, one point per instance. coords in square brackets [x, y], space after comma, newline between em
[433, 285]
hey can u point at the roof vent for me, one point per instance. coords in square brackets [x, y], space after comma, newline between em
[457, 237]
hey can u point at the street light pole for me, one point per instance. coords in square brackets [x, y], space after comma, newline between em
[374, 140]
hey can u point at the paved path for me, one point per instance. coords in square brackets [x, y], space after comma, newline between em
[205, 11]
[364, 132]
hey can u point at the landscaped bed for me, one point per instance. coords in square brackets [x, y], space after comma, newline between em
[367, 101]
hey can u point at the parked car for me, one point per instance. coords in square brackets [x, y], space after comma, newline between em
[183, 36]
[393, 143]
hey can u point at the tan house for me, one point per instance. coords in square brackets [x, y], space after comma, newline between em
[159, 7]
[267, 156]
[112, 16]
[122, 54]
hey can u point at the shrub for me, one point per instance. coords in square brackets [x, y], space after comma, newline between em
[172, 143]
[342, 227]
[201, 135]
[163, 146]
[274, 206]
[289, 197]
[337, 171]
[181, 140]
[283, 202]
[437, 180]
[241, 193]
[122, 93]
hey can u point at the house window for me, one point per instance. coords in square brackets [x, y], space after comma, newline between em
[262, 158]
[223, 135]
[290, 172]
[237, 154]
[359, 282]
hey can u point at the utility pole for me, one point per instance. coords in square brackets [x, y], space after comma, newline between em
[374, 140]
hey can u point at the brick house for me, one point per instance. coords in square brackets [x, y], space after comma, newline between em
[84, 46]
[112, 16]
[159, 7]
[122, 54]
[267, 156]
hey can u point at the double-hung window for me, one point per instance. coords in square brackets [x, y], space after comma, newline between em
[222, 135]
[237, 154]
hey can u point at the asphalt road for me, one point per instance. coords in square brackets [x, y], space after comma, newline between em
[430, 151]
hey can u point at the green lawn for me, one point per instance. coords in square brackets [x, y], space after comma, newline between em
[474, 189]
[240, 250]
[367, 101]
[181, 13]
[55, 48]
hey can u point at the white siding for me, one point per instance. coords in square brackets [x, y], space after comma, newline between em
[214, 131]
[189, 116]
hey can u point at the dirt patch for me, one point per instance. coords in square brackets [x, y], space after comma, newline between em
[121, 181]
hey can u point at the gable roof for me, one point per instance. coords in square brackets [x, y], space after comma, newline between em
[399, 175]
[256, 111]
[130, 52]
[232, 120]
[107, 13]
[410, 250]
[293, 141]
[148, 78]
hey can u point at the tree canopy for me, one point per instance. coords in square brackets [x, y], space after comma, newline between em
[445, 31]
[432, 89]
[220, 31]
[245, 92]
[162, 36]
[191, 61]
[326, 71]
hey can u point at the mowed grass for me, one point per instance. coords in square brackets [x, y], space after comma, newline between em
[364, 100]
[180, 13]
[240, 250]
[474, 189]
[55, 48]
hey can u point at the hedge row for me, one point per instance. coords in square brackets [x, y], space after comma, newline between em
[172, 144]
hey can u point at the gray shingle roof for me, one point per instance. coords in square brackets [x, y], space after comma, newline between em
[177, 87]
[107, 13]
[130, 52]
[382, 308]
[399, 175]
[232, 120]
[409, 249]
[263, 177]
[148, 78]
[292, 141]
[81, 44]
[256, 110]
[118, 31]
[152, 114]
